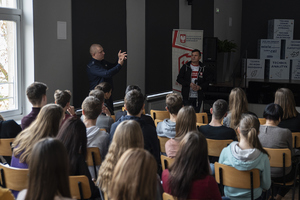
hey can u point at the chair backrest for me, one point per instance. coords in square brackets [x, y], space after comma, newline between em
[159, 114]
[262, 121]
[80, 187]
[166, 162]
[229, 176]
[13, 178]
[162, 143]
[167, 196]
[215, 147]
[276, 157]
[157, 121]
[93, 158]
[200, 124]
[296, 140]
[113, 117]
[5, 146]
[202, 118]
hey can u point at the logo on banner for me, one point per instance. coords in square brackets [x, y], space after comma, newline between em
[182, 38]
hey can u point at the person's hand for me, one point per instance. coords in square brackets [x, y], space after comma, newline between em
[105, 110]
[122, 57]
[71, 110]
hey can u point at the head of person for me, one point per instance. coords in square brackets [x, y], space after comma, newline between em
[190, 164]
[62, 97]
[273, 112]
[185, 122]
[134, 102]
[46, 124]
[134, 176]
[249, 129]
[196, 56]
[73, 136]
[97, 52]
[174, 103]
[219, 109]
[106, 88]
[132, 87]
[36, 94]
[285, 98]
[238, 104]
[91, 107]
[127, 135]
[48, 171]
[99, 94]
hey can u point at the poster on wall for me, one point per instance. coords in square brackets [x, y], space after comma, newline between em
[183, 42]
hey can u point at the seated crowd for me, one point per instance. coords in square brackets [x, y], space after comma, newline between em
[52, 142]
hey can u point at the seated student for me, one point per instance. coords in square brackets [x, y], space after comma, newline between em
[134, 104]
[247, 154]
[167, 127]
[91, 108]
[73, 135]
[36, 94]
[107, 89]
[189, 176]
[134, 177]
[48, 172]
[62, 98]
[272, 136]
[146, 118]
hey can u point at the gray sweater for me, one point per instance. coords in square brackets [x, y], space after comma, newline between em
[166, 128]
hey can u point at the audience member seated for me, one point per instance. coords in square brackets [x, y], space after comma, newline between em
[107, 89]
[73, 135]
[272, 136]
[36, 94]
[189, 176]
[134, 177]
[62, 98]
[48, 172]
[238, 107]
[127, 135]
[134, 104]
[247, 154]
[291, 118]
[91, 108]
[146, 118]
[186, 122]
[167, 128]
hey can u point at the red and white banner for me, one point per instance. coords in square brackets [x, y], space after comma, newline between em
[183, 42]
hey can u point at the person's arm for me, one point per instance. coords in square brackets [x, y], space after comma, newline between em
[180, 78]
[265, 181]
[208, 77]
[290, 141]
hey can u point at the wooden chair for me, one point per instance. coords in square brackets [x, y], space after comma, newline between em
[13, 178]
[166, 162]
[93, 158]
[167, 196]
[202, 118]
[229, 176]
[162, 143]
[262, 121]
[296, 140]
[113, 117]
[80, 187]
[200, 124]
[215, 147]
[157, 121]
[159, 114]
[5, 146]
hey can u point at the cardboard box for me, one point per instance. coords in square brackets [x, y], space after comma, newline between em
[290, 49]
[277, 69]
[269, 49]
[255, 68]
[281, 29]
[295, 69]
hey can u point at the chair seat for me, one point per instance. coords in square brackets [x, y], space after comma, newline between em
[287, 183]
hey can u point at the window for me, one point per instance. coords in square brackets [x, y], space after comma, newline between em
[10, 58]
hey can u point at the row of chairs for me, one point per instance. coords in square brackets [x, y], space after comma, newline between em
[163, 114]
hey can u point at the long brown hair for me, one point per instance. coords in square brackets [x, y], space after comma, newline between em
[185, 122]
[238, 104]
[285, 98]
[45, 125]
[134, 176]
[191, 163]
[48, 172]
[127, 135]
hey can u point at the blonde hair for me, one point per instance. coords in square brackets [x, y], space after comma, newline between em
[185, 122]
[134, 176]
[238, 105]
[45, 125]
[285, 98]
[127, 135]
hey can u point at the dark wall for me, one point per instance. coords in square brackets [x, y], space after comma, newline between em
[256, 14]
[102, 22]
[161, 18]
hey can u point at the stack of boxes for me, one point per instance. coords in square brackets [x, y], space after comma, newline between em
[279, 55]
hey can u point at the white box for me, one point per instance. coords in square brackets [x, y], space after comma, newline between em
[295, 69]
[269, 49]
[255, 68]
[290, 49]
[277, 69]
[281, 29]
